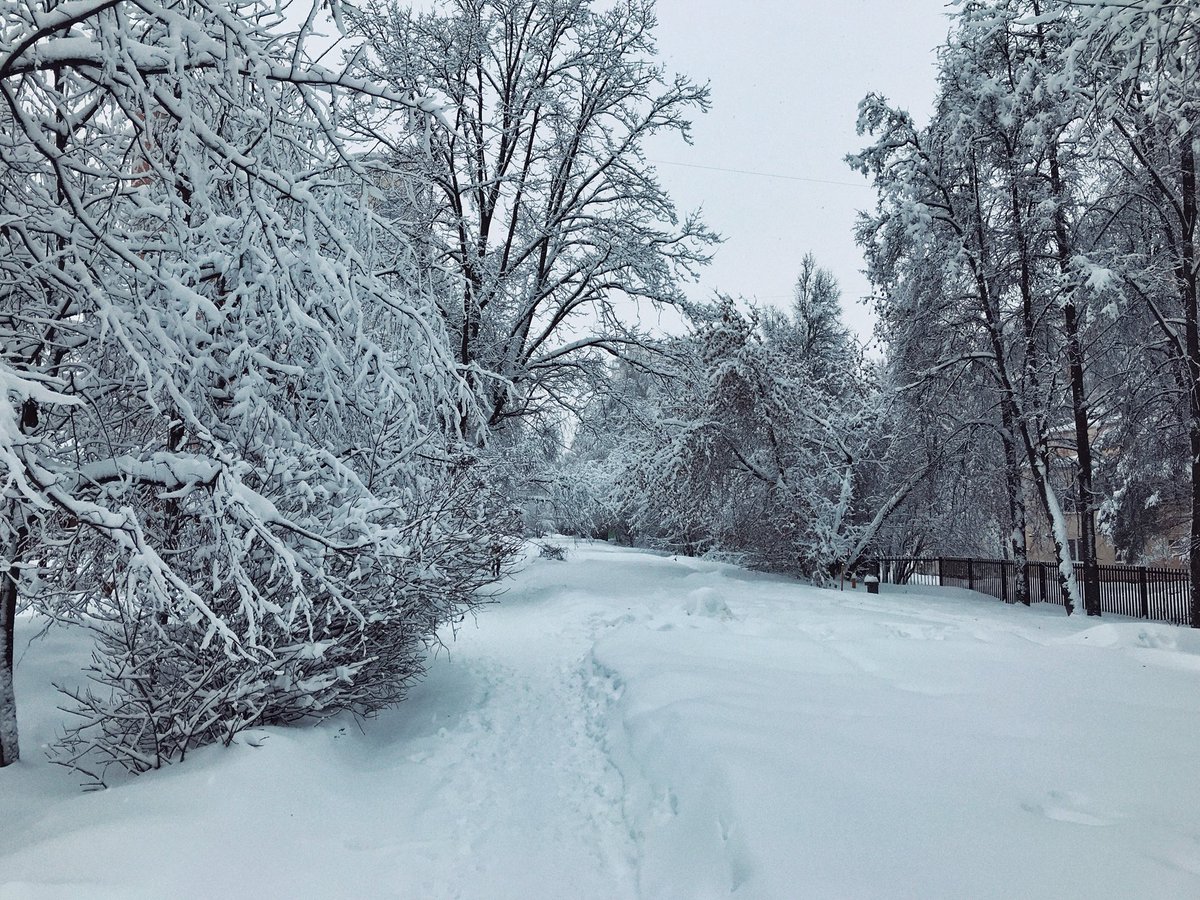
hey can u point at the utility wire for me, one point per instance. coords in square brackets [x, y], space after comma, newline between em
[663, 162]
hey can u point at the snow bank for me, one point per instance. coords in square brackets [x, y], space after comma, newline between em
[629, 724]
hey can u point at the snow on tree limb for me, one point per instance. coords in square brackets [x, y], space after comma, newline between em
[227, 437]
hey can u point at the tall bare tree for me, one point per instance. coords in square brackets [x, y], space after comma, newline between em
[545, 215]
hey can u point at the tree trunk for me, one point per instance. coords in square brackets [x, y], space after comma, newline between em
[1083, 439]
[1018, 542]
[1194, 544]
[9, 748]
[1186, 275]
[1010, 412]
[1084, 468]
[1058, 529]
[1016, 423]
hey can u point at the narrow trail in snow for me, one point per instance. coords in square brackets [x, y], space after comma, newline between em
[549, 800]
[544, 755]
[536, 800]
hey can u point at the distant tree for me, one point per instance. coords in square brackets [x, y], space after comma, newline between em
[927, 252]
[587, 479]
[942, 407]
[758, 436]
[812, 329]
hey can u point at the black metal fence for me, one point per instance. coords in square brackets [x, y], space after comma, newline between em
[1145, 592]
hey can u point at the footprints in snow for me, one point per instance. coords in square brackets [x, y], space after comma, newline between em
[1076, 809]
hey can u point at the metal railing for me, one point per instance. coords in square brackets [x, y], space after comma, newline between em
[1146, 592]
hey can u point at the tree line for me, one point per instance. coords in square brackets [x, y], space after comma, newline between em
[1034, 250]
[1032, 256]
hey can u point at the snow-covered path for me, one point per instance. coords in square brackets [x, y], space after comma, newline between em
[504, 740]
[628, 725]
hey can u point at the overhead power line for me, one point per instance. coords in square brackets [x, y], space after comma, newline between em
[664, 162]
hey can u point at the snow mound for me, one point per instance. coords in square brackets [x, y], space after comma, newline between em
[1145, 635]
[706, 603]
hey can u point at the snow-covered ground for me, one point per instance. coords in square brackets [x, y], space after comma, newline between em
[625, 724]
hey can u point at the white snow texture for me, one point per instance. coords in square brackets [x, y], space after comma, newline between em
[626, 724]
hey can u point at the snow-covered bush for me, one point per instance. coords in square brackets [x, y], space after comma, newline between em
[552, 551]
[345, 629]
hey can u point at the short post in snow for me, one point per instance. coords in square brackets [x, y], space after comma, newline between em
[872, 583]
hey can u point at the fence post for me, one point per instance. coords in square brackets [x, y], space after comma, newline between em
[1004, 580]
[941, 561]
[970, 574]
[1144, 591]
[1042, 581]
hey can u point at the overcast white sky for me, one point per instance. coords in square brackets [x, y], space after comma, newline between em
[786, 78]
